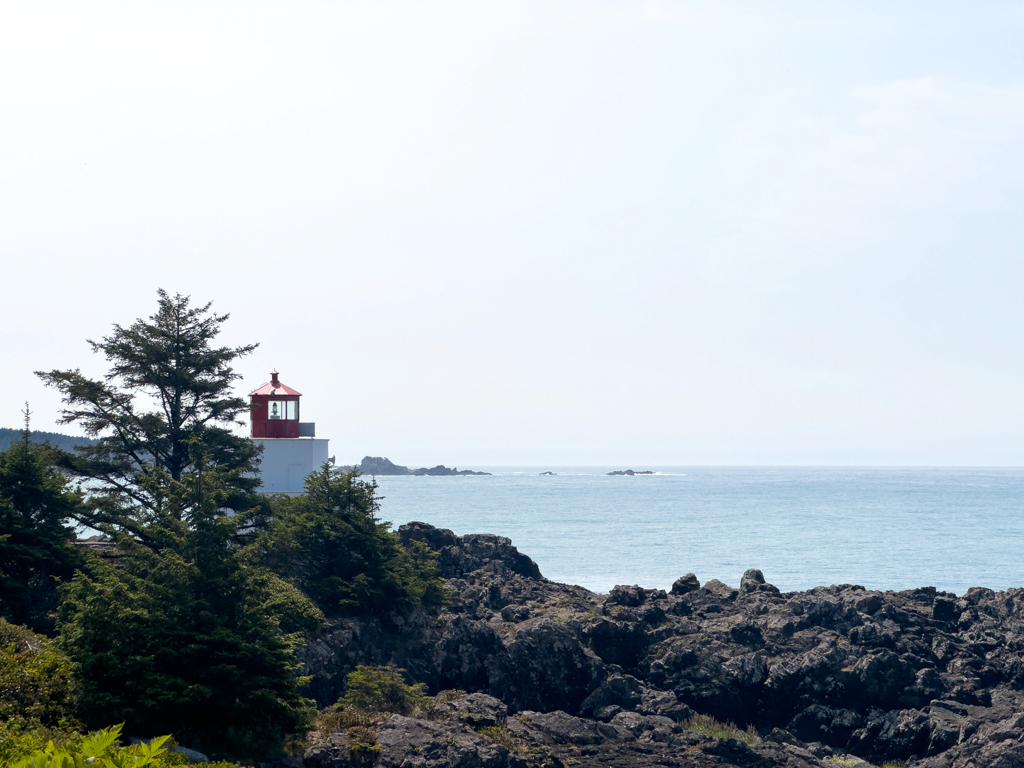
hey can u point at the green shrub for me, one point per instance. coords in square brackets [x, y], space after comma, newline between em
[294, 611]
[20, 740]
[382, 689]
[37, 687]
[169, 644]
[364, 742]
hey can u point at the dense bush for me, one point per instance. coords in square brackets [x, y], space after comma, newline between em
[37, 686]
[38, 693]
[329, 544]
[382, 689]
[170, 644]
[294, 611]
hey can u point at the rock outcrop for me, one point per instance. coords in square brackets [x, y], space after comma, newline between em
[558, 675]
[379, 465]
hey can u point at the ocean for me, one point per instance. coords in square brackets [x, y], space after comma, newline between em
[883, 528]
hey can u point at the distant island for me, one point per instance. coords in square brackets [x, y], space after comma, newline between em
[630, 472]
[377, 465]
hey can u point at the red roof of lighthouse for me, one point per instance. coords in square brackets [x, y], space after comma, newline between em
[274, 387]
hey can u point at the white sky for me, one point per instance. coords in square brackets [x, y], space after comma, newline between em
[540, 232]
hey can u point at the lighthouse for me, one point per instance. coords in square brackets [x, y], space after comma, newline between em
[291, 449]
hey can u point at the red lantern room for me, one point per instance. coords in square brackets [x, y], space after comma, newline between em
[274, 410]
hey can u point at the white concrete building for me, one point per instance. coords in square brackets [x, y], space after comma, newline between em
[287, 461]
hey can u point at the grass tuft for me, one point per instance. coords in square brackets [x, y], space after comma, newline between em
[500, 734]
[709, 726]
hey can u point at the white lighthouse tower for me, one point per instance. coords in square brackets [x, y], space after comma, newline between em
[291, 449]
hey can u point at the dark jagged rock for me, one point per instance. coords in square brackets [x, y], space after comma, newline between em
[619, 691]
[586, 679]
[442, 471]
[549, 740]
[684, 584]
[474, 709]
[720, 589]
[459, 556]
[406, 741]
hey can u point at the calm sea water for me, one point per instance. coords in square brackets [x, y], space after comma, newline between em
[882, 528]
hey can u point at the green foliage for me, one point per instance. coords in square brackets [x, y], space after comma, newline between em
[18, 740]
[171, 643]
[709, 726]
[382, 689]
[38, 746]
[36, 548]
[329, 544]
[37, 687]
[100, 749]
[363, 745]
[168, 361]
[294, 611]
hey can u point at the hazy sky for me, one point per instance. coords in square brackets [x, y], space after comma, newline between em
[540, 232]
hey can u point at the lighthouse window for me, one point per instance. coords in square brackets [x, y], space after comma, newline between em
[283, 409]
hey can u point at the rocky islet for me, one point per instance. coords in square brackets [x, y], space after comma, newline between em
[554, 674]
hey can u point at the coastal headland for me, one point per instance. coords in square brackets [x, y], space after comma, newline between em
[531, 672]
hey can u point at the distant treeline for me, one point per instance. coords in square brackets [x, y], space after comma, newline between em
[57, 440]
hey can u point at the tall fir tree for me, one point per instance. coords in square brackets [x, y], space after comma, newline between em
[168, 385]
[37, 552]
[181, 637]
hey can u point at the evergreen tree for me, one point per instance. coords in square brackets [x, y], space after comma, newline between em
[168, 361]
[36, 545]
[180, 640]
[329, 544]
[180, 637]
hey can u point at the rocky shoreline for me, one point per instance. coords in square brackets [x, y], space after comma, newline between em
[552, 675]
